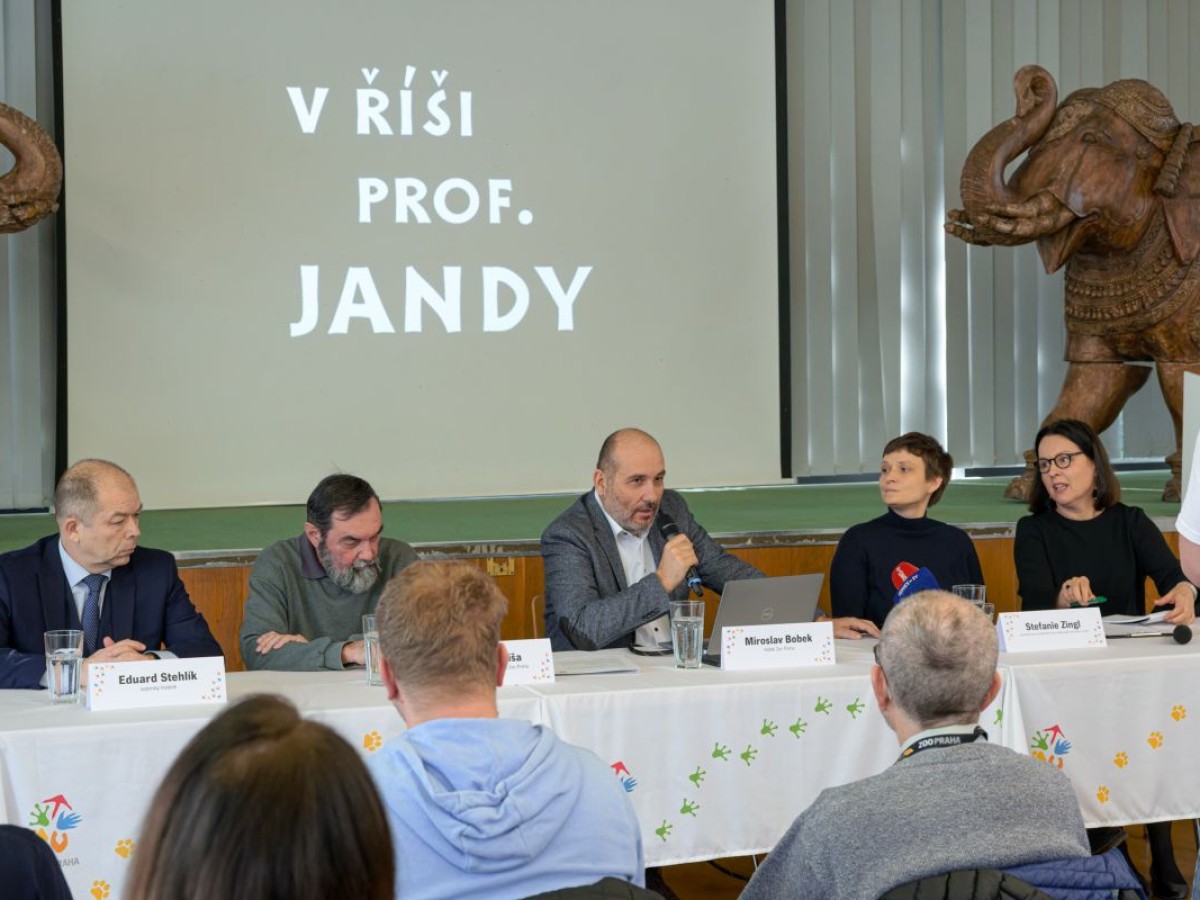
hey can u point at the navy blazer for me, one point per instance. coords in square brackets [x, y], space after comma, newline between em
[144, 600]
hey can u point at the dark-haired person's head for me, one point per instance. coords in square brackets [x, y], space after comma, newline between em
[1073, 469]
[345, 522]
[913, 473]
[265, 804]
[439, 635]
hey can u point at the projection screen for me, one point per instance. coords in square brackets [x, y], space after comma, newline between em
[444, 245]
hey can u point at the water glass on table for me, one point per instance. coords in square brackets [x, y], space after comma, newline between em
[687, 632]
[973, 593]
[371, 649]
[64, 664]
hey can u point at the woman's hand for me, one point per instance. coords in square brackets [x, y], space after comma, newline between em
[1076, 590]
[1183, 597]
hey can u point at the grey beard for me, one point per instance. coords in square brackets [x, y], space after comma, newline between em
[358, 579]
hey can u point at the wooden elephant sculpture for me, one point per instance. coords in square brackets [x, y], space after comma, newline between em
[1110, 187]
[28, 191]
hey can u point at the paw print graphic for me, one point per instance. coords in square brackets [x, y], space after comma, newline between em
[689, 808]
[1102, 794]
[124, 848]
[1178, 712]
[823, 705]
[855, 708]
[1121, 760]
[720, 751]
[100, 890]
[372, 741]
[664, 829]
[797, 727]
[747, 755]
[697, 776]
[1155, 740]
[768, 728]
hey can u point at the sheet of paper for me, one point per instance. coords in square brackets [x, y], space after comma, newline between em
[599, 662]
[1157, 616]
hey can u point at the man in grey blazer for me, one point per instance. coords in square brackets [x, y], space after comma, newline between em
[609, 571]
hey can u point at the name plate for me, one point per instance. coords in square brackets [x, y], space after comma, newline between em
[162, 682]
[777, 646]
[529, 662]
[1050, 629]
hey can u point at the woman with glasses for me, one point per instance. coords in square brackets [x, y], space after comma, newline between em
[1082, 543]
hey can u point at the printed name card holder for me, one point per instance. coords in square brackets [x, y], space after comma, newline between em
[162, 682]
[1051, 629]
[777, 646]
[529, 662]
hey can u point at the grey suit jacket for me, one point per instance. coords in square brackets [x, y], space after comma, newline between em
[588, 604]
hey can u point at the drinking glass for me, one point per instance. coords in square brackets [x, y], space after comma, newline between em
[687, 632]
[371, 647]
[975, 593]
[64, 664]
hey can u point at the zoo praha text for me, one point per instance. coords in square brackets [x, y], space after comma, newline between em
[497, 297]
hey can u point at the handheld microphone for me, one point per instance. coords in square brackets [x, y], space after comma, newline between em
[907, 579]
[668, 529]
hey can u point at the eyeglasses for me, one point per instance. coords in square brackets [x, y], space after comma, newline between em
[1063, 461]
[878, 644]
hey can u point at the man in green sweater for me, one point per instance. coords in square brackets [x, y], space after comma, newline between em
[308, 594]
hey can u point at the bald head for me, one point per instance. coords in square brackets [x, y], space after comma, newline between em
[78, 490]
[629, 478]
[97, 507]
[939, 655]
[630, 439]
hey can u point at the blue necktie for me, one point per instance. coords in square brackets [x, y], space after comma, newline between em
[91, 613]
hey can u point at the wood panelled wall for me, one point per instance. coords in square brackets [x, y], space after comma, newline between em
[219, 589]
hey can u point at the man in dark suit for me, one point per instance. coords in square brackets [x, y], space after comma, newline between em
[610, 574]
[128, 600]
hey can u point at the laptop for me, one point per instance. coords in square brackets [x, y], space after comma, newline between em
[785, 599]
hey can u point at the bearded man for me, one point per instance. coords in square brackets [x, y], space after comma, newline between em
[611, 572]
[308, 594]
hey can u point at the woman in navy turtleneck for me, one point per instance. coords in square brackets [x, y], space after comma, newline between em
[880, 562]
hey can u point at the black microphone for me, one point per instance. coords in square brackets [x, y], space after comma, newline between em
[1180, 634]
[668, 529]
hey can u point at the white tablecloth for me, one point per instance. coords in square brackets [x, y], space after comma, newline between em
[716, 763]
[102, 767]
[723, 762]
[1122, 722]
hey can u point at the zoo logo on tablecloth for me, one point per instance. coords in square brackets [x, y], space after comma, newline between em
[53, 820]
[624, 776]
[1050, 745]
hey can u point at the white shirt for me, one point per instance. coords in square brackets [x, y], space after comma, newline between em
[637, 560]
[75, 574]
[1188, 522]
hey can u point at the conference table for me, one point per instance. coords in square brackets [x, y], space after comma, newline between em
[715, 763]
